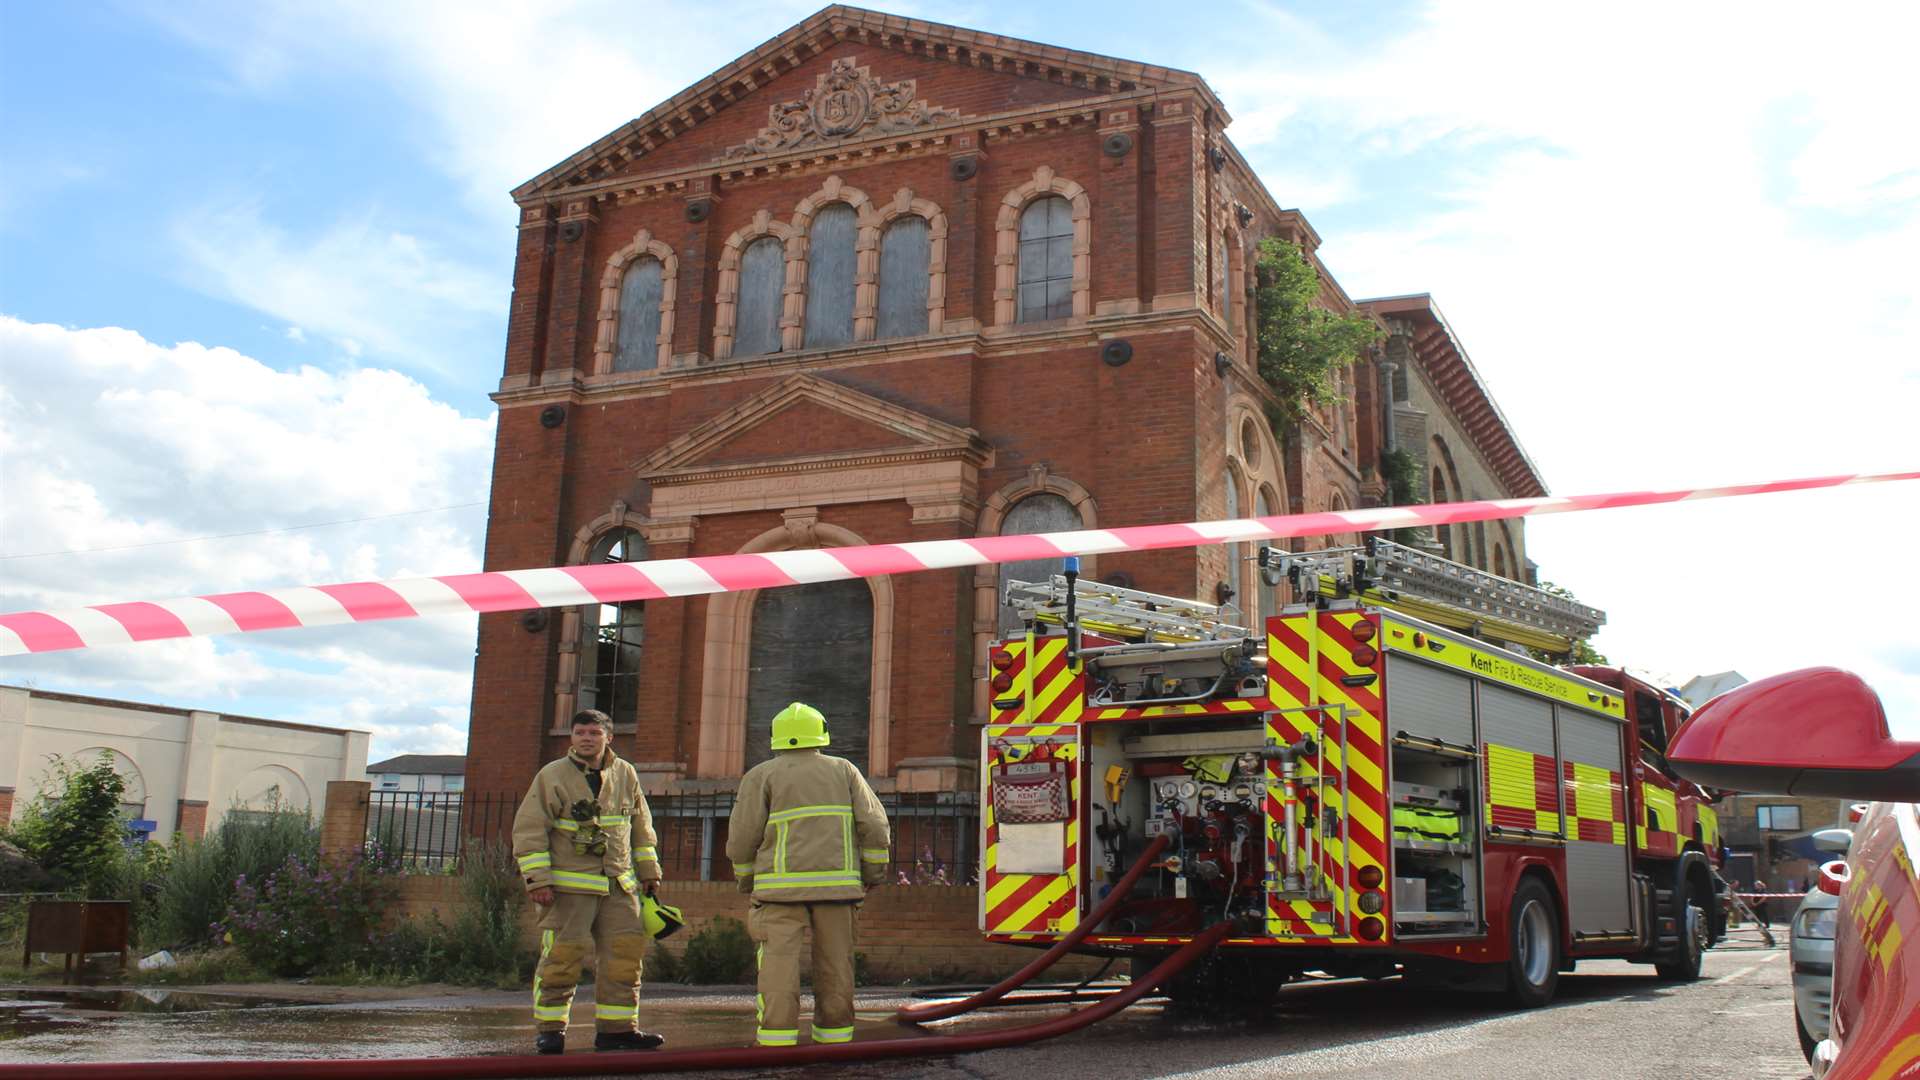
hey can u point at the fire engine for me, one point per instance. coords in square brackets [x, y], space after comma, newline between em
[1381, 780]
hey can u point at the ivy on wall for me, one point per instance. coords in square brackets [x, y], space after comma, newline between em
[1300, 344]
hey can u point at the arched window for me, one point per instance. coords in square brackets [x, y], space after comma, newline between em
[1236, 552]
[1221, 285]
[830, 276]
[611, 636]
[1044, 512]
[638, 346]
[812, 643]
[905, 252]
[1045, 281]
[1438, 494]
[763, 278]
[1269, 594]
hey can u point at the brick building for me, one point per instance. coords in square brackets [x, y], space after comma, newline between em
[881, 280]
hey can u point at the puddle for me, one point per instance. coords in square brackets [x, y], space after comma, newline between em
[145, 1000]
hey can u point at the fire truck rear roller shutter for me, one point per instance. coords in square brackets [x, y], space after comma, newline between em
[1429, 702]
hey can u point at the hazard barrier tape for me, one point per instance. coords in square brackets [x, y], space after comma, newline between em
[607, 583]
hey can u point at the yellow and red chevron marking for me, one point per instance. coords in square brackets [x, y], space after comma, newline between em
[1029, 905]
[1045, 690]
[1596, 804]
[1522, 792]
[1198, 708]
[1294, 684]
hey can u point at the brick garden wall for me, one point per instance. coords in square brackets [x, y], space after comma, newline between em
[907, 932]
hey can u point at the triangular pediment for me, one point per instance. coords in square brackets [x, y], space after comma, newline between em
[810, 423]
[801, 96]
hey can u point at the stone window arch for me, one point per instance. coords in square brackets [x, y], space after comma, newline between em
[759, 276]
[1265, 501]
[614, 350]
[1006, 257]
[986, 579]
[907, 249]
[728, 657]
[133, 796]
[1252, 449]
[600, 645]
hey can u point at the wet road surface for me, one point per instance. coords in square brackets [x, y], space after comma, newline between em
[1610, 1020]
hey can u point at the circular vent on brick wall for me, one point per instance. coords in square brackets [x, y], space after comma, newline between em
[1116, 352]
[963, 168]
[1117, 144]
[553, 416]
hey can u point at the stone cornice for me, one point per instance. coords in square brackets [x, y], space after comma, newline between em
[867, 30]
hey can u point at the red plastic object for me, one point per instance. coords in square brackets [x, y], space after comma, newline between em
[1833, 877]
[1775, 721]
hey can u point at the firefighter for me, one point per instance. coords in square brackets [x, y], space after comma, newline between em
[584, 840]
[807, 840]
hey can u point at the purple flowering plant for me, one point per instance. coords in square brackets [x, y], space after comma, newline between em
[310, 913]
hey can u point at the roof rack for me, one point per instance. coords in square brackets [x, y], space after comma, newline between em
[1122, 614]
[1441, 591]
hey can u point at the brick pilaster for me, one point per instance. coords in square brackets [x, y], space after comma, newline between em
[190, 819]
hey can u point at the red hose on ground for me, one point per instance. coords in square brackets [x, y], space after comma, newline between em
[920, 1014]
[504, 1067]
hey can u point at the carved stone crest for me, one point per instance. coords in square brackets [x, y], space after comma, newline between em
[845, 101]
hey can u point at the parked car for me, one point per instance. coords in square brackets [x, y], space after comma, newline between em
[1811, 945]
[1822, 732]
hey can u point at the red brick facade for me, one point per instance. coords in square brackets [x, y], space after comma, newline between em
[921, 438]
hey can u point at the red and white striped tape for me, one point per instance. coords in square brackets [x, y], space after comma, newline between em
[563, 586]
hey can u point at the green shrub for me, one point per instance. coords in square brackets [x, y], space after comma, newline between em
[664, 965]
[199, 885]
[309, 914]
[73, 828]
[720, 953]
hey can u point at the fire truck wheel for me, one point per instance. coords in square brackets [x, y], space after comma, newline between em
[1694, 928]
[1533, 945]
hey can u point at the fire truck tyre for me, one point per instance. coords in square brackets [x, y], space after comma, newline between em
[1685, 964]
[1533, 945]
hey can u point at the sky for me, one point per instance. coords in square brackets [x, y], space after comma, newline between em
[255, 262]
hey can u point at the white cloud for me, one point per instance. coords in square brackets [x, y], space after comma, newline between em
[1637, 219]
[296, 335]
[108, 440]
[357, 282]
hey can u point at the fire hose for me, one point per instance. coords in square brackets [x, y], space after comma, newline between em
[940, 1011]
[505, 1066]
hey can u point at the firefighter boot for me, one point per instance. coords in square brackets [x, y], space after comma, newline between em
[550, 1042]
[628, 1040]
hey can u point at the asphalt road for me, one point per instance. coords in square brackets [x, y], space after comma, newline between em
[1611, 1020]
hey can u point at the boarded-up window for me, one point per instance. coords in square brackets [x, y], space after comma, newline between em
[830, 277]
[763, 277]
[1236, 553]
[904, 259]
[611, 636]
[812, 643]
[1269, 594]
[1033, 514]
[638, 347]
[1046, 260]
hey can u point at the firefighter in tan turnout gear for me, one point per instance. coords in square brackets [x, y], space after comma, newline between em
[807, 839]
[584, 840]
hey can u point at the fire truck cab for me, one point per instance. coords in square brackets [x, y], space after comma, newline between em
[1378, 780]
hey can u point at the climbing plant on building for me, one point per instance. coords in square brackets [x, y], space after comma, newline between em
[1301, 345]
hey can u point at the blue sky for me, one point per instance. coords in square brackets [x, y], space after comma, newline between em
[258, 256]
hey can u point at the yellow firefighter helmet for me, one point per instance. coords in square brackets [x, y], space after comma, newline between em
[661, 920]
[799, 725]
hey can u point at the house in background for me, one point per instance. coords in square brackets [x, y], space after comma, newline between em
[424, 774]
[185, 769]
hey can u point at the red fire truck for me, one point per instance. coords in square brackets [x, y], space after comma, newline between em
[1380, 780]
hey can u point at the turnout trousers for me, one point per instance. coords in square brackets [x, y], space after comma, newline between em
[780, 929]
[568, 930]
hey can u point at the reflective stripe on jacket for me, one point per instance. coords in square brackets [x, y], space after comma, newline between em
[553, 848]
[806, 826]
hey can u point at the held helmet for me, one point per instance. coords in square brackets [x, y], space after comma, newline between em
[660, 920]
[798, 726]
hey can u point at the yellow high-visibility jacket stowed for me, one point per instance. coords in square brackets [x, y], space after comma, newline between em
[566, 837]
[807, 827]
